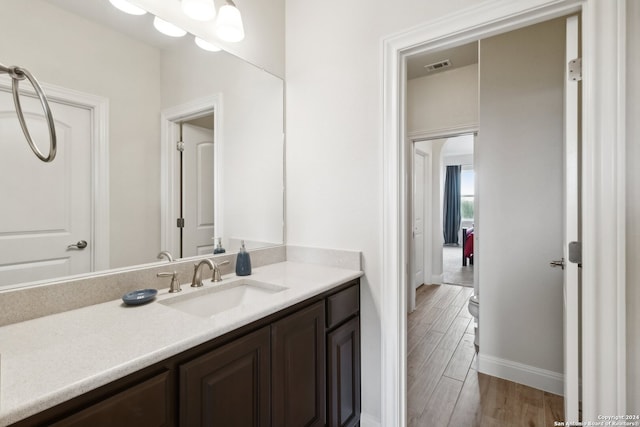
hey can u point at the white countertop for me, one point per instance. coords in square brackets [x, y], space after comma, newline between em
[49, 360]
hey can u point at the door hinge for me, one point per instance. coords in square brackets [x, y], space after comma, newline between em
[575, 70]
[180, 223]
[575, 253]
[180, 146]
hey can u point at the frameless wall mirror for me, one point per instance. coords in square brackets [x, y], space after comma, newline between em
[122, 97]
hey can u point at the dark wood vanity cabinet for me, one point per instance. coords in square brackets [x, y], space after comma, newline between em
[343, 359]
[343, 382]
[228, 386]
[146, 404]
[297, 367]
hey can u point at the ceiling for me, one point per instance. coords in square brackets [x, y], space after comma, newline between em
[460, 56]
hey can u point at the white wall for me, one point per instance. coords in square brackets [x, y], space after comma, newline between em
[33, 33]
[633, 207]
[334, 149]
[251, 191]
[519, 163]
[443, 101]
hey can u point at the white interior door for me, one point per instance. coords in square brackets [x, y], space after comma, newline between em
[418, 226]
[418, 218]
[198, 190]
[571, 212]
[45, 206]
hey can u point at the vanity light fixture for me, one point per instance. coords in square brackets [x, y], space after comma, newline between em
[167, 28]
[203, 44]
[229, 23]
[127, 7]
[200, 10]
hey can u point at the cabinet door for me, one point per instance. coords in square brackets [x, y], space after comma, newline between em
[298, 355]
[229, 386]
[344, 374]
[144, 405]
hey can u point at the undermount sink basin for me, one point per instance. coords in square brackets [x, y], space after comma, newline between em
[217, 299]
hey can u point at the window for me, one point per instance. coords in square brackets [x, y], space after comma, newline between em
[466, 193]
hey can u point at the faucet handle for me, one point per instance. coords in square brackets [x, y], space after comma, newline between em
[217, 276]
[175, 285]
[165, 254]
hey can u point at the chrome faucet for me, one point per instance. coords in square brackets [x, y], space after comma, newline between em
[197, 272]
[217, 275]
[196, 282]
[165, 254]
[175, 285]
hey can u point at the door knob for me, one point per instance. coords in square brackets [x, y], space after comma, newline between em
[80, 245]
[559, 263]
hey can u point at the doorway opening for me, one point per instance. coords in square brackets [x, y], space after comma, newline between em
[433, 260]
[191, 177]
[458, 210]
[521, 153]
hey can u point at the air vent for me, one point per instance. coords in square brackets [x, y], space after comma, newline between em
[436, 66]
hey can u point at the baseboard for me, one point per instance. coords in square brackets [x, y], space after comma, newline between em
[437, 279]
[542, 379]
[367, 420]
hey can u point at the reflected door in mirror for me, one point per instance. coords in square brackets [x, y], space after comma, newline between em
[45, 207]
[198, 190]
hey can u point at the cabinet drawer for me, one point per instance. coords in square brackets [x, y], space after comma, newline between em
[342, 305]
[144, 404]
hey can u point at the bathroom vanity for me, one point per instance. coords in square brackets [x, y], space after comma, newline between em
[291, 360]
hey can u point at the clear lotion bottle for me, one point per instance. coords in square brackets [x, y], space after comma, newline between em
[243, 262]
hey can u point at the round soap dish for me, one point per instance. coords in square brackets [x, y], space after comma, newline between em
[139, 297]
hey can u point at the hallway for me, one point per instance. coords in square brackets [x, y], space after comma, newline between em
[444, 387]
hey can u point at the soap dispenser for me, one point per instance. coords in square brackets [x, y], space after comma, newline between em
[218, 249]
[243, 262]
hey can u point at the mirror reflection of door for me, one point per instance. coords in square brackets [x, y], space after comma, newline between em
[45, 207]
[197, 195]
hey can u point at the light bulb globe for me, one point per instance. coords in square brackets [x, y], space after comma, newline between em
[229, 24]
[203, 44]
[168, 28]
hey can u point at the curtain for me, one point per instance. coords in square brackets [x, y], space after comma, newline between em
[452, 205]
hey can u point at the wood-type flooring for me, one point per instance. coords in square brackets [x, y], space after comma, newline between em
[444, 386]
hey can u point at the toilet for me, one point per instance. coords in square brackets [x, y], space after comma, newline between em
[474, 309]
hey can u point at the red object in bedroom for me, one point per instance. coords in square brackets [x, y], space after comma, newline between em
[468, 245]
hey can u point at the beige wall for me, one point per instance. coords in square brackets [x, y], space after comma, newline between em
[443, 101]
[519, 163]
[45, 39]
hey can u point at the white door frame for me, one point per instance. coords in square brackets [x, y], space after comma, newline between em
[168, 159]
[603, 193]
[98, 107]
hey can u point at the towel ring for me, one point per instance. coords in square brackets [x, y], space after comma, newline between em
[17, 74]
